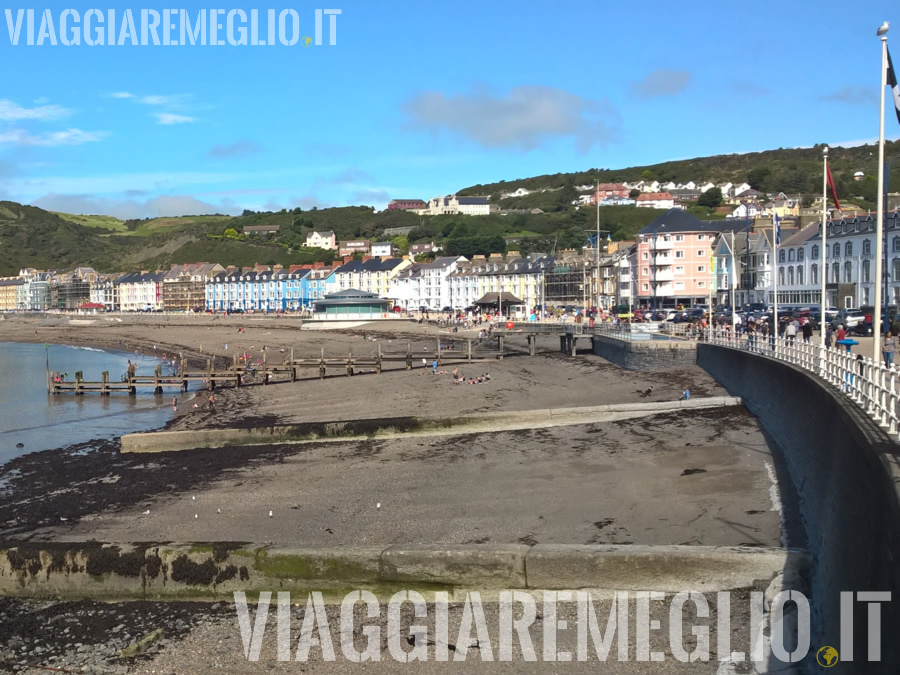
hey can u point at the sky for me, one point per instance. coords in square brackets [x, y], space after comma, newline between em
[416, 100]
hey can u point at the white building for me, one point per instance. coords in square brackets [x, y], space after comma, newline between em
[655, 200]
[382, 249]
[454, 205]
[325, 239]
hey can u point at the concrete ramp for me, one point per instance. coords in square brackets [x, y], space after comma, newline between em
[385, 428]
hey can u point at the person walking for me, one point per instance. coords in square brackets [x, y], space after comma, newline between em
[829, 335]
[807, 330]
[887, 349]
[790, 331]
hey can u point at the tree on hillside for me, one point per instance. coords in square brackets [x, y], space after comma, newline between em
[646, 174]
[711, 198]
[759, 178]
[634, 194]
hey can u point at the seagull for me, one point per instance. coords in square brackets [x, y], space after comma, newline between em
[883, 29]
[218, 510]
[270, 514]
[196, 515]
[648, 392]
[147, 512]
[193, 499]
[378, 505]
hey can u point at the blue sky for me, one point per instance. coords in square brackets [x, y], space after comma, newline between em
[417, 100]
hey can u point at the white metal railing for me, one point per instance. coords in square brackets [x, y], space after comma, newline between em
[872, 386]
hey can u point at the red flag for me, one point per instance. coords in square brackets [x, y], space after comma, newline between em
[833, 191]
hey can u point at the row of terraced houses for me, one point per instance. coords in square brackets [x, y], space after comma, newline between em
[675, 260]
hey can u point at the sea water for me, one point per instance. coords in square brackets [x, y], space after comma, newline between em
[40, 421]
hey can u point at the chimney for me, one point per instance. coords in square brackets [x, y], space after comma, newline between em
[512, 254]
[366, 257]
[347, 258]
[318, 265]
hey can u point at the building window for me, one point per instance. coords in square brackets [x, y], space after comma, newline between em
[815, 251]
[896, 245]
[848, 272]
[867, 247]
[701, 284]
[645, 256]
[896, 263]
[701, 253]
[814, 274]
[701, 268]
[781, 276]
[800, 275]
[791, 255]
[835, 273]
[848, 248]
[790, 276]
[679, 237]
[645, 271]
[800, 253]
[679, 254]
[701, 237]
[781, 255]
[679, 269]
[865, 270]
[836, 251]
[645, 287]
[679, 285]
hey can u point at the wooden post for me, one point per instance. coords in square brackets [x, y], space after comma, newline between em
[104, 383]
[408, 356]
[158, 374]
[209, 374]
[438, 359]
[132, 389]
[378, 362]
[78, 385]
[500, 345]
[469, 348]
[293, 367]
[49, 389]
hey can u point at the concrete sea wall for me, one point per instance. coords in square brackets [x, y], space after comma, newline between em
[646, 355]
[846, 472]
[166, 571]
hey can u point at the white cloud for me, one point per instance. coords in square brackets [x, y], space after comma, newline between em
[12, 112]
[51, 138]
[172, 100]
[661, 82]
[523, 118]
[172, 118]
[853, 95]
[121, 94]
[238, 149]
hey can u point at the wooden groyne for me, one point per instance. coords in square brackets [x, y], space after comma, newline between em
[242, 374]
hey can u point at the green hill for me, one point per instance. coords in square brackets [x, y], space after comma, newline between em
[789, 170]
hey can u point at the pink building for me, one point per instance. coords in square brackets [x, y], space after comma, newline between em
[673, 260]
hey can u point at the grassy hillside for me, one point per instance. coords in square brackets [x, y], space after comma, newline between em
[32, 237]
[792, 170]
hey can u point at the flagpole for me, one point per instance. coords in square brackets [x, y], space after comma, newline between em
[879, 228]
[774, 269]
[824, 240]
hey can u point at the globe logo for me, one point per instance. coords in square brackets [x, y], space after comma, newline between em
[307, 41]
[827, 657]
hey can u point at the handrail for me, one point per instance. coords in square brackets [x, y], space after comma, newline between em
[870, 385]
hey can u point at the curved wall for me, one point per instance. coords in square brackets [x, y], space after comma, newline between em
[845, 470]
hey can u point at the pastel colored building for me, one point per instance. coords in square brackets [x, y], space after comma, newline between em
[673, 259]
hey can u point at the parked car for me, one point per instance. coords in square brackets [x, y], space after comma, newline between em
[851, 317]
[861, 329]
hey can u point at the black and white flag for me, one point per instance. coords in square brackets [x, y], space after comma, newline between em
[892, 83]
